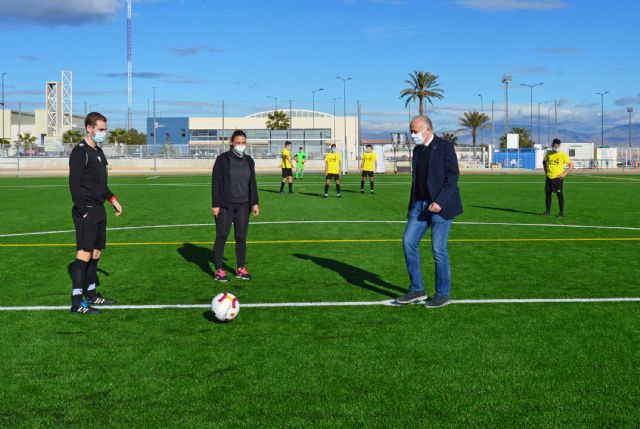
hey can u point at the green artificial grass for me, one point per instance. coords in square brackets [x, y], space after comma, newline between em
[481, 365]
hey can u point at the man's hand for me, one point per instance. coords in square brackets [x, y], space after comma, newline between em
[256, 210]
[215, 211]
[118, 207]
[435, 208]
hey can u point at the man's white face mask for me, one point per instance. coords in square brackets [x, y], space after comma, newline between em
[418, 138]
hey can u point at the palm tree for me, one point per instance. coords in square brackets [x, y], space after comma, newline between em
[473, 121]
[26, 140]
[72, 136]
[450, 137]
[423, 86]
[118, 135]
[525, 138]
[278, 120]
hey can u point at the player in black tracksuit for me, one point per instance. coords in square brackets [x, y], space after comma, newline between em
[88, 185]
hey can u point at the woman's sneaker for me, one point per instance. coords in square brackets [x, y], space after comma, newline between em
[220, 276]
[242, 273]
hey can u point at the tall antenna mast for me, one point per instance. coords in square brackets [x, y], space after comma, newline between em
[129, 81]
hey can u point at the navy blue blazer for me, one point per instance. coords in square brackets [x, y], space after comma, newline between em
[442, 178]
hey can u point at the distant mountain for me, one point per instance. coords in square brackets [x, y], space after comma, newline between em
[616, 136]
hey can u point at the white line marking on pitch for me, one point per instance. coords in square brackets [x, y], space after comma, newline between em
[329, 304]
[289, 222]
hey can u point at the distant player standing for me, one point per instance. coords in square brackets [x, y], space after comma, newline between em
[88, 185]
[332, 167]
[554, 167]
[287, 168]
[301, 159]
[368, 166]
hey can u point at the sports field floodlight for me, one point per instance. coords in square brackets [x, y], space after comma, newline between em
[344, 101]
[629, 111]
[601, 94]
[481, 111]
[506, 79]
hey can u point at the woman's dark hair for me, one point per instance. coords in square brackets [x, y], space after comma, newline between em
[236, 133]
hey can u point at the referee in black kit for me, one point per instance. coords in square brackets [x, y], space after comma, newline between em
[89, 190]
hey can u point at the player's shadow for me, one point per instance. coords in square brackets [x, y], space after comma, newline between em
[356, 276]
[200, 256]
[310, 194]
[100, 271]
[505, 209]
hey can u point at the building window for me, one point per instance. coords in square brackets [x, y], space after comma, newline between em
[572, 152]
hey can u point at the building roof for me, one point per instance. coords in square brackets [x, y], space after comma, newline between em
[295, 113]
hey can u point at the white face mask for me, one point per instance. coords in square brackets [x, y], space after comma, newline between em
[418, 138]
[555, 148]
[240, 148]
[99, 137]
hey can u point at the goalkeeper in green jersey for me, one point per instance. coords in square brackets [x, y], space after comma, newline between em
[301, 159]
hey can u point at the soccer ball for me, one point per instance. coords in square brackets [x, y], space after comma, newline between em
[225, 307]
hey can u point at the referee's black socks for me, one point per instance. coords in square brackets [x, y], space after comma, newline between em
[78, 276]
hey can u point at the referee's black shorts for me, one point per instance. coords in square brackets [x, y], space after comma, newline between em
[91, 230]
[553, 185]
[287, 172]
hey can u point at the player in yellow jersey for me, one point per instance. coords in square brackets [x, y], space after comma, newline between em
[332, 167]
[554, 167]
[287, 168]
[368, 166]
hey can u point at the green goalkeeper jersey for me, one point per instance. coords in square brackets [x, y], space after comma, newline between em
[300, 157]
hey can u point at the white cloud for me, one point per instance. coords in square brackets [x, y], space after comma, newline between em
[511, 5]
[58, 12]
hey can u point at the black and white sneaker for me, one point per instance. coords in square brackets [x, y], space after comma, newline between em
[84, 308]
[438, 301]
[100, 300]
[411, 297]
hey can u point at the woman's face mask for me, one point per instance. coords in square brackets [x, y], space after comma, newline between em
[240, 148]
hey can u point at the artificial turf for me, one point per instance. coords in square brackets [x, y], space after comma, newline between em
[492, 365]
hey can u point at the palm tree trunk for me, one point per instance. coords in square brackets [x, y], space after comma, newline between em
[421, 106]
[473, 135]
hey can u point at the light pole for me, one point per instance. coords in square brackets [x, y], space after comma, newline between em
[154, 117]
[549, 124]
[539, 103]
[276, 100]
[506, 79]
[3, 107]
[344, 111]
[482, 127]
[333, 132]
[531, 86]
[601, 94]
[313, 117]
[629, 111]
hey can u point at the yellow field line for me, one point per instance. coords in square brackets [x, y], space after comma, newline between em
[374, 240]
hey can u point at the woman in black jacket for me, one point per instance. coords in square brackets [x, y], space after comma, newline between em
[234, 194]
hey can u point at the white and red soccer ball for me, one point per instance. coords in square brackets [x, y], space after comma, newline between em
[225, 307]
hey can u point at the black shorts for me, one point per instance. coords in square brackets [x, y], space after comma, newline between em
[91, 231]
[287, 172]
[333, 177]
[553, 185]
[366, 173]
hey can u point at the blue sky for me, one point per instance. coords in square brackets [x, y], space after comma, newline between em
[199, 52]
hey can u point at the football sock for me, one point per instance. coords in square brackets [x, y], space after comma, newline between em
[326, 189]
[78, 274]
[290, 187]
[91, 278]
[548, 201]
[337, 188]
[371, 183]
[561, 201]
[362, 185]
[281, 186]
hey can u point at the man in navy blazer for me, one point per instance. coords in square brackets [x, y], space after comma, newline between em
[433, 203]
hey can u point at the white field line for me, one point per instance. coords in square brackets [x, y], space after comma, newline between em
[329, 304]
[291, 222]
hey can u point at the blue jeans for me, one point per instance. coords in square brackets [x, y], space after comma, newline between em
[419, 220]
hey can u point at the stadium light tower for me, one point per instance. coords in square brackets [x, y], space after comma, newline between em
[344, 105]
[129, 68]
[506, 79]
[629, 111]
[313, 116]
[539, 103]
[531, 86]
[481, 111]
[333, 132]
[3, 107]
[601, 94]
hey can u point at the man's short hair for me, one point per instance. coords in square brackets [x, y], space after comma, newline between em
[556, 141]
[333, 145]
[287, 143]
[424, 120]
[300, 148]
[93, 118]
[369, 146]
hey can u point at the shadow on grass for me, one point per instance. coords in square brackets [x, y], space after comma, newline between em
[356, 276]
[200, 256]
[505, 209]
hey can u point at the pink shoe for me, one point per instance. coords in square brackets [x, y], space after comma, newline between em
[220, 276]
[242, 273]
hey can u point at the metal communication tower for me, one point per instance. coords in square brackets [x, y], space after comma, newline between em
[51, 92]
[67, 101]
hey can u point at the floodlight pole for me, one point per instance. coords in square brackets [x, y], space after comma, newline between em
[333, 132]
[344, 106]
[3, 109]
[506, 79]
[531, 86]
[154, 118]
[549, 125]
[482, 127]
[629, 111]
[313, 103]
[601, 94]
